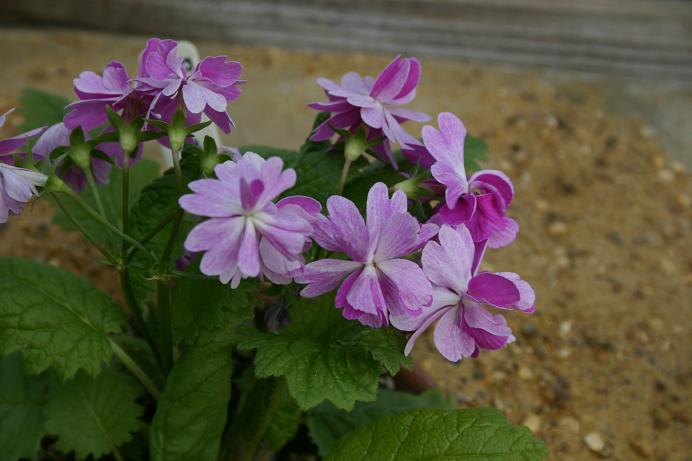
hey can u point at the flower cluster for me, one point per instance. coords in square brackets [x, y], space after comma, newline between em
[389, 267]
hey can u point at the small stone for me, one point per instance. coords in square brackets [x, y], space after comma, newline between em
[666, 175]
[641, 447]
[533, 422]
[564, 353]
[684, 200]
[541, 205]
[525, 373]
[529, 330]
[570, 424]
[595, 442]
[557, 228]
[565, 328]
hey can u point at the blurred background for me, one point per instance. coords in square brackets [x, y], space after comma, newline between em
[586, 105]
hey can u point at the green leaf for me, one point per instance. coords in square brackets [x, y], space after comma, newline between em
[22, 399]
[54, 318]
[191, 414]
[322, 355]
[328, 423]
[475, 151]
[357, 188]
[139, 351]
[200, 303]
[94, 415]
[318, 174]
[287, 155]
[140, 175]
[41, 108]
[466, 435]
[284, 424]
[158, 200]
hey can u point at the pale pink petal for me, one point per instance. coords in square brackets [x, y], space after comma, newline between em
[450, 339]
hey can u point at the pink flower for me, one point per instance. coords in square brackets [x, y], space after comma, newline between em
[17, 185]
[10, 146]
[247, 233]
[96, 92]
[481, 201]
[211, 86]
[376, 280]
[57, 136]
[373, 102]
[464, 326]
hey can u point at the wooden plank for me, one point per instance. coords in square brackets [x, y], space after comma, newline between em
[634, 38]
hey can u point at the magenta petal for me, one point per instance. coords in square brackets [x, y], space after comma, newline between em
[308, 204]
[527, 297]
[450, 339]
[248, 253]
[412, 290]
[496, 182]
[493, 289]
[366, 294]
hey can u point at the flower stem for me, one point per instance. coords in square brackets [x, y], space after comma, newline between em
[150, 235]
[94, 191]
[273, 404]
[136, 309]
[126, 198]
[164, 304]
[107, 254]
[344, 175]
[136, 370]
[103, 221]
[163, 285]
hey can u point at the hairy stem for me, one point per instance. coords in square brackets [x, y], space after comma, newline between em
[163, 285]
[273, 404]
[104, 251]
[344, 175]
[136, 370]
[166, 336]
[103, 221]
[94, 191]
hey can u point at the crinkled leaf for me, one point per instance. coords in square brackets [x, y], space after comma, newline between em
[111, 195]
[94, 415]
[41, 108]
[322, 355]
[327, 423]
[22, 399]
[54, 318]
[475, 151]
[191, 415]
[463, 435]
[197, 303]
[284, 424]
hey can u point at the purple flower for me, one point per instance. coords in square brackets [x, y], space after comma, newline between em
[464, 326]
[17, 185]
[10, 146]
[481, 201]
[58, 135]
[373, 102]
[211, 86]
[17, 188]
[376, 280]
[247, 233]
[96, 92]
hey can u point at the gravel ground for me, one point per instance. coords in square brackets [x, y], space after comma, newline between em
[602, 369]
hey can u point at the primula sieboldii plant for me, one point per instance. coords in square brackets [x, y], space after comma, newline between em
[265, 289]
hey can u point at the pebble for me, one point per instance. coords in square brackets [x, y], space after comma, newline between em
[533, 422]
[557, 228]
[594, 441]
[571, 424]
[565, 328]
[525, 373]
[666, 175]
[641, 447]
